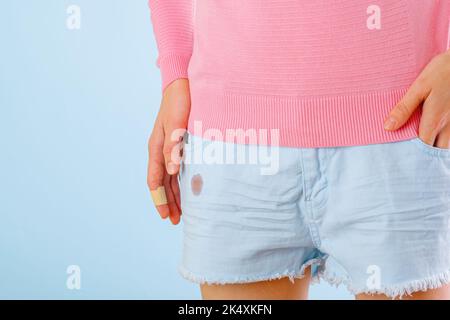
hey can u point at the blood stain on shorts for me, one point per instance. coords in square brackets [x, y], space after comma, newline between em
[196, 184]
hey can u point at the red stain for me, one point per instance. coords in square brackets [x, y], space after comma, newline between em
[196, 184]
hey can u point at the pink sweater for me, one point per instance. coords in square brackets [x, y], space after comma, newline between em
[317, 73]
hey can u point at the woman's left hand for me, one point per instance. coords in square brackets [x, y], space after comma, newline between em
[432, 88]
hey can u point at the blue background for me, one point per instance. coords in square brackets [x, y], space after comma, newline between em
[76, 109]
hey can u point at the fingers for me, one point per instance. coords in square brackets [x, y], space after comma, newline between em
[443, 138]
[172, 148]
[176, 191]
[156, 166]
[433, 121]
[406, 107]
[171, 202]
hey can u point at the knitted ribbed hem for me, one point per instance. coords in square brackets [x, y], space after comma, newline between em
[173, 67]
[448, 37]
[301, 122]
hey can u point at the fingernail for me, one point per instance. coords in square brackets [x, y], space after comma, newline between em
[171, 168]
[390, 124]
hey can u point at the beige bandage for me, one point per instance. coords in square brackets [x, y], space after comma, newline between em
[159, 196]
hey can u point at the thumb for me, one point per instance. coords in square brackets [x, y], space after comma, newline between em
[406, 107]
[172, 149]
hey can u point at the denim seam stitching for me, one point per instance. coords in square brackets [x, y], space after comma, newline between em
[431, 150]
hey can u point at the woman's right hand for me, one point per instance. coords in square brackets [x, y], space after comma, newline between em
[164, 146]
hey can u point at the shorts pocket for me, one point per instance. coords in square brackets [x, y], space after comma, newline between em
[431, 150]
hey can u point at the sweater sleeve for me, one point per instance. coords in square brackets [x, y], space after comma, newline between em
[173, 27]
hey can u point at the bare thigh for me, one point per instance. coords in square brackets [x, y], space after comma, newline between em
[442, 293]
[281, 289]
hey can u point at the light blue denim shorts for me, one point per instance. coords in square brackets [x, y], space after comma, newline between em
[375, 218]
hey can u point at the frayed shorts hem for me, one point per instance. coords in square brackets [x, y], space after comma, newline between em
[395, 291]
[211, 280]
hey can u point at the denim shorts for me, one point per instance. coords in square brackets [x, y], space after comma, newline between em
[375, 218]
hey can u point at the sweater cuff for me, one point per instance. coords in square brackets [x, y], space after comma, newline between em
[173, 67]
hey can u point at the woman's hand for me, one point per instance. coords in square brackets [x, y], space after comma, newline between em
[164, 143]
[432, 88]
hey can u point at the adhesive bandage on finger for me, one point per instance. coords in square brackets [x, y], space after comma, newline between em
[159, 196]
